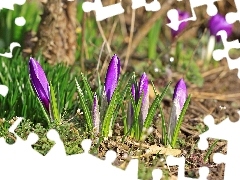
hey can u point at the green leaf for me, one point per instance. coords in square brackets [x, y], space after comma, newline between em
[164, 128]
[154, 106]
[110, 111]
[122, 96]
[137, 109]
[87, 88]
[83, 104]
[210, 150]
[153, 39]
[53, 104]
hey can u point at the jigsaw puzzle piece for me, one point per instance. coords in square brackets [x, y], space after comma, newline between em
[3, 90]
[177, 161]
[58, 149]
[174, 17]
[228, 131]
[231, 164]
[9, 4]
[16, 155]
[232, 17]
[211, 8]
[180, 162]
[224, 53]
[153, 6]
[102, 12]
[157, 174]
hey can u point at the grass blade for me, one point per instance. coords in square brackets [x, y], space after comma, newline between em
[84, 106]
[87, 88]
[154, 106]
[53, 105]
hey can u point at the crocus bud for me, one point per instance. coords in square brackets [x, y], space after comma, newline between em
[39, 83]
[144, 90]
[141, 90]
[112, 76]
[95, 113]
[179, 98]
[181, 15]
[217, 23]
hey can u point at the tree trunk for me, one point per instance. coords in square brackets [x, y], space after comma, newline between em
[57, 31]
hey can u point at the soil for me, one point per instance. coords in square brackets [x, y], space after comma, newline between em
[218, 97]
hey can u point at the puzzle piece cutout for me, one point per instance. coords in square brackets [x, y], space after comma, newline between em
[229, 131]
[102, 12]
[12, 46]
[9, 4]
[19, 21]
[174, 17]
[153, 6]
[219, 54]
[232, 17]
[180, 162]
[56, 164]
[3, 90]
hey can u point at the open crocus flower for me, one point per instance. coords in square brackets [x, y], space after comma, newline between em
[112, 76]
[138, 91]
[179, 98]
[217, 23]
[39, 83]
[183, 25]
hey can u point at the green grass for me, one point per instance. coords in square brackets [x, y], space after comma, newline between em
[10, 32]
[21, 101]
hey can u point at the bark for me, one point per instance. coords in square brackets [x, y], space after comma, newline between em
[57, 31]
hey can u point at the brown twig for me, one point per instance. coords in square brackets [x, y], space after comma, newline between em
[104, 37]
[145, 28]
[221, 97]
[83, 43]
[130, 41]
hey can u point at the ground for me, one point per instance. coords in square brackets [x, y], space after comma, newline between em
[218, 96]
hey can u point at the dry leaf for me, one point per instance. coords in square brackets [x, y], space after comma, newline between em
[154, 149]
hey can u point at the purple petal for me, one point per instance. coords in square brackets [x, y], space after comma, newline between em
[218, 23]
[143, 89]
[182, 15]
[180, 93]
[112, 76]
[95, 113]
[39, 82]
[133, 90]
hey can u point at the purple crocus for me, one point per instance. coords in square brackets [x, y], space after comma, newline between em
[217, 23]
[179, 98]
[95, 113]
[39, 83]
[143, 90]
[112, 76]
[138, 91]
[181, 16]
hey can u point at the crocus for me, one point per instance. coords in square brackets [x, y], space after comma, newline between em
[217, 23]
[181, 15]
[112, 76]
[39, 83]
[179, 98]
[141, 90]
[95, 113]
